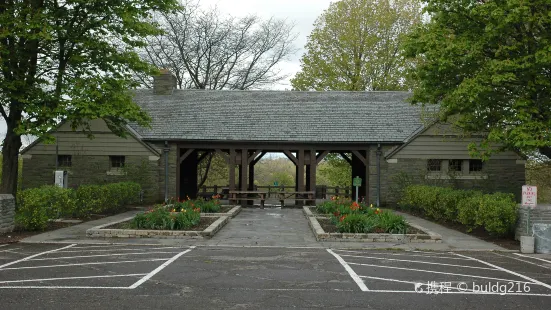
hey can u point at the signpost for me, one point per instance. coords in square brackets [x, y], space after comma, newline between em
[357, 182]
[530, 200]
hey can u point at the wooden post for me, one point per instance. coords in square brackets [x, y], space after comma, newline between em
[300, 177]
[312, 173]
[243, 172]
[232, 169]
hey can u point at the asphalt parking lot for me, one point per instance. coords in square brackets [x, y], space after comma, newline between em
[124, 276]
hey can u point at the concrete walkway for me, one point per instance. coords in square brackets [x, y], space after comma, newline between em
[271, 227]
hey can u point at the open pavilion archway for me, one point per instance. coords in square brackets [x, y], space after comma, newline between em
[242, 157]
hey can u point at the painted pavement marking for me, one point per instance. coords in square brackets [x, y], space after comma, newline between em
[403, 254]
[351, 271]
[158, 269]
[82, 264]
[102, 255]
[454, 290]
[143, 279]
[540, 259]
[416, 261]
[35, 255]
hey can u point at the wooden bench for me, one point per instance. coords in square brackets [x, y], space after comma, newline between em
[244, 195]
[300, 196]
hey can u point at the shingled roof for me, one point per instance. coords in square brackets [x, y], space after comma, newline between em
[278, 116]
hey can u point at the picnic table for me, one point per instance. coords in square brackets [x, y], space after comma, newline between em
[246, 195]
[300, 196]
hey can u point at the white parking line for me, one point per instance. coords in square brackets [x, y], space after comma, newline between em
[402, 254]
[102, 255]
[522, 260]
[81, 264]
[540, 259]
[66, 287]
[158, 269]
[420, 262]
[142, 249]
[35, 255]
[351, 271]
[440, 272]
[3, 245]
[462, 293]
[509, 271]
[410, 282]
[74, 278]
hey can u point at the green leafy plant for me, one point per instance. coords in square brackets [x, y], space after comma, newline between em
[497, 212]
[160, 218]
[37, 206]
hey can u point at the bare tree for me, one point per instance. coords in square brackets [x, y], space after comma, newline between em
[206, 50]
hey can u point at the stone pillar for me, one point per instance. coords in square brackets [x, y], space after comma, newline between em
[7, 213]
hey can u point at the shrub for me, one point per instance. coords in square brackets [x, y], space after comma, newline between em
[37, 206]
[497, 213]
[160, 218]
[108, 197]
[374, 221]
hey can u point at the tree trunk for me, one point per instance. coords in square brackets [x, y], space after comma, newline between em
[10, 161]
[207, 168]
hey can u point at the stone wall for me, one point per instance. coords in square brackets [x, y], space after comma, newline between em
[502, 175]
[540, 215]
[38, 170]
[7, 213]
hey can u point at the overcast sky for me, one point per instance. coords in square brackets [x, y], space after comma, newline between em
[302, 12]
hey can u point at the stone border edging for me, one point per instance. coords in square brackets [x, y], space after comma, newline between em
[231, 214]
[321, 235]
[100, 232]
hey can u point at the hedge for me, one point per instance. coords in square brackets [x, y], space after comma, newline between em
[496, 213]
[36, 206]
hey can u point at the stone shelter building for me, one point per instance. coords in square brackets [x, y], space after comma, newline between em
[388, 142]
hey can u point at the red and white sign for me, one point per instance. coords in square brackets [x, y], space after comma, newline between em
[529, 196]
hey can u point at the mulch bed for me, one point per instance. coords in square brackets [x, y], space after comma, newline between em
[329, 227]
[506, 242]
[19, 233]
[203, 224]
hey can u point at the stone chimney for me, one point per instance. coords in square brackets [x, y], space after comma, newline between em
[164, 83]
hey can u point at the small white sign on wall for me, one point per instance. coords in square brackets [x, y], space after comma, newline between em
[529, 196]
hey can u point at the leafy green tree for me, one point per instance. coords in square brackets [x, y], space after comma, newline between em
[487, 64]
[72, 60]
[355, 46]
[336, 170]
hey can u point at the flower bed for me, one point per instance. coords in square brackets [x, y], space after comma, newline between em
[345, 219]
[161, 222]
[208, 207]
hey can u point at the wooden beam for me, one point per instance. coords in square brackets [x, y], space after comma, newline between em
[321, 156]
[219, 151]
[253, 156]
[348, 159]
[186, 154]
[256, 160]
[361, 157]
[291, 156]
